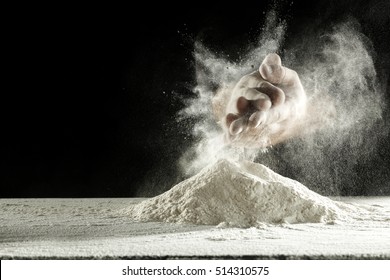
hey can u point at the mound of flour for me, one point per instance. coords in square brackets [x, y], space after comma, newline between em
[240, 194]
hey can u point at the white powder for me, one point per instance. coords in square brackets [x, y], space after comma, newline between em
[241, 194]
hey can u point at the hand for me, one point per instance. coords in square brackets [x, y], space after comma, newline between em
[266, 106]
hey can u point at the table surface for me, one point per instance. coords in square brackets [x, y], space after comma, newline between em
[98, 229]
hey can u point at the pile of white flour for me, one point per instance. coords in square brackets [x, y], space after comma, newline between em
[240, 194]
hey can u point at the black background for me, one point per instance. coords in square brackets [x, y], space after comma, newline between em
[90, 93]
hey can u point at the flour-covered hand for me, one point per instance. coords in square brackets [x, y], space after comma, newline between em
[266, 106]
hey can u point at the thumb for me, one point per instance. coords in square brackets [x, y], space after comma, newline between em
[271, 70]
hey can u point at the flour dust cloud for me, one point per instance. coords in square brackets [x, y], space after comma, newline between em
[336, 67]
[225, 185]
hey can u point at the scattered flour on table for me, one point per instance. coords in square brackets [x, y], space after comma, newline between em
[240, 194]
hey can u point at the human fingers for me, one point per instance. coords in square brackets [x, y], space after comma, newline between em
[257, 118]
[275, 94]
[238, 125]
[250, 112]
[252, 86]
[249, 99]
[271, 69]
[230, 118]
[255, 100]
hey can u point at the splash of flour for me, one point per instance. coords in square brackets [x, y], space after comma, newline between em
[218, 72]
[336, 67]
[337, 70]
[243, 194]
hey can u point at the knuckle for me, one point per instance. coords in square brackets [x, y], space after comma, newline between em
[294, 74]
[279, 91]
[244, 79]
[262, 84]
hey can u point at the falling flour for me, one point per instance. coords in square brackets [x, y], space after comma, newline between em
[240, 194]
